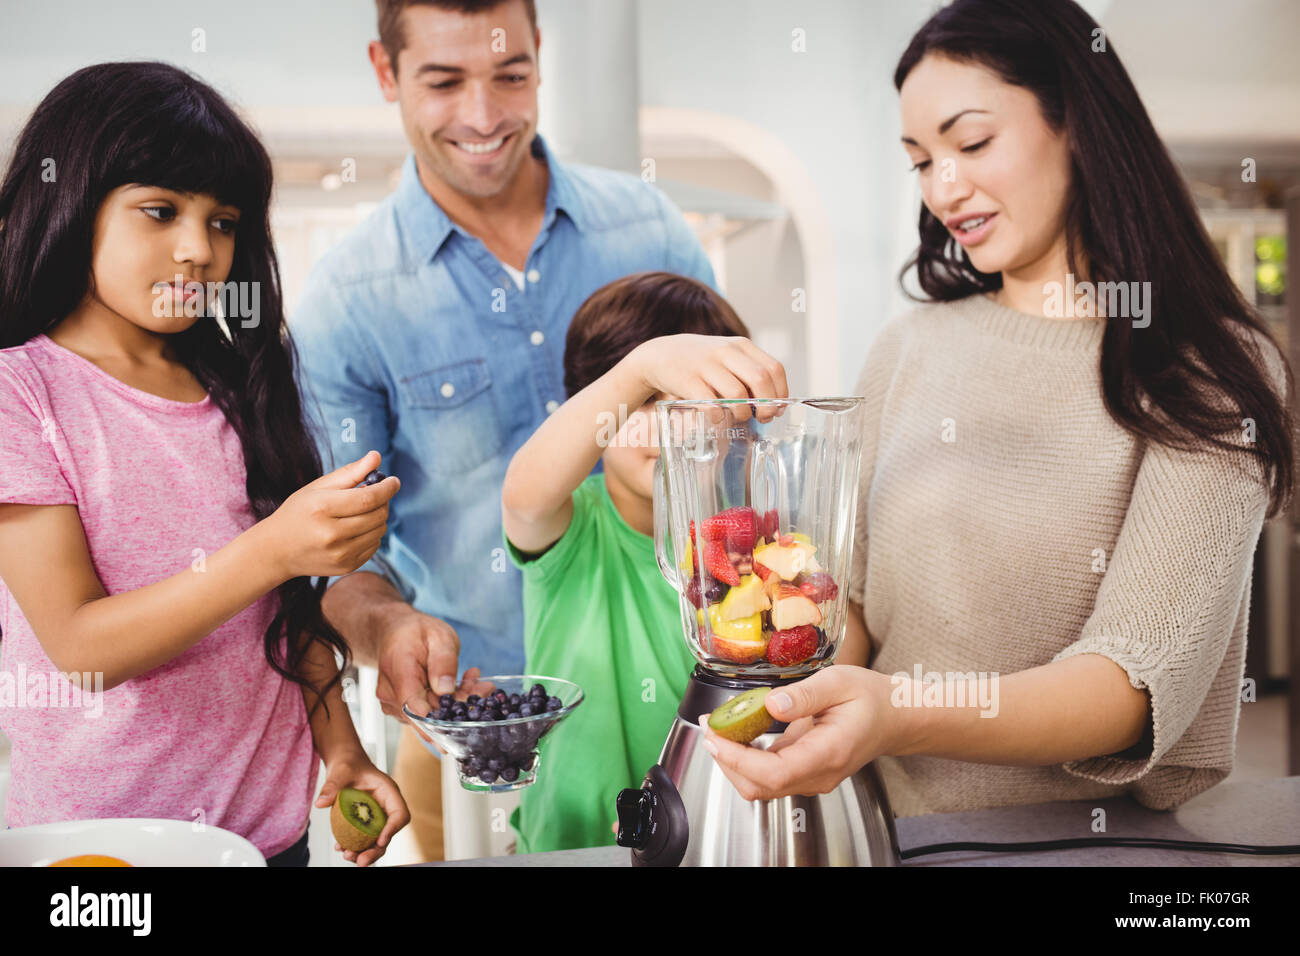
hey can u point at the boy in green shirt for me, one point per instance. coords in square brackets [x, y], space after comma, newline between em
[597, 610]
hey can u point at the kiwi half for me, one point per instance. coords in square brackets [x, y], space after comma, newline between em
[357, 820]
[744, 717]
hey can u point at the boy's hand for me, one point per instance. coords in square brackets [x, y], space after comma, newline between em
[710, 366]
[355, 770]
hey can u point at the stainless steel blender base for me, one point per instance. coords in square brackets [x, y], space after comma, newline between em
[688, 813]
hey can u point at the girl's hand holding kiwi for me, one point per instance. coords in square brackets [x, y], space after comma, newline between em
[367, 808]
[329, 526]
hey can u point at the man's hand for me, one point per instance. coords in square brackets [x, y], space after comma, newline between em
[417, 652]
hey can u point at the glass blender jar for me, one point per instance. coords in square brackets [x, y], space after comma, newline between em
[754, 502]
[754, 528]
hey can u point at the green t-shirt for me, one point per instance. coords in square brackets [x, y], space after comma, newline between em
[598, 612]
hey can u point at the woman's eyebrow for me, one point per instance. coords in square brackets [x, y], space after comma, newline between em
[946, 124]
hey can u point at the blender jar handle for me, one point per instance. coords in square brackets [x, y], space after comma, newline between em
[665, 553]
[767, 481]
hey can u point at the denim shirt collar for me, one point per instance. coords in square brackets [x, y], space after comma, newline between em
[428, 227]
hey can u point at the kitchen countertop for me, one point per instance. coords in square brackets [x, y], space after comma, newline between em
[1244, 811]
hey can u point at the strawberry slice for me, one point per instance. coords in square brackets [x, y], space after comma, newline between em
[792, 646]
[768, 525]
[735, 527]
[762, 570]
[719, 565]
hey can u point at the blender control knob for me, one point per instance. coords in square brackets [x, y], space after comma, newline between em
[652, 821]
[634, 809]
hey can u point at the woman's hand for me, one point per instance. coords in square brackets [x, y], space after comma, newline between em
[354, 770]
[709, 366]
[840, 720]
[330, 526]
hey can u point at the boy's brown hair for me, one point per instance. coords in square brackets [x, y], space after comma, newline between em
[618, 317]
[392, 37]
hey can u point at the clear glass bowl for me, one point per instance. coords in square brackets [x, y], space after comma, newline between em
[493, 756]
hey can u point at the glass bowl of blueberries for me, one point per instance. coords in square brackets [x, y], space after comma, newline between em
[494, 734]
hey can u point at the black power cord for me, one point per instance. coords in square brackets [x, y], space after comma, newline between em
[1283, 849]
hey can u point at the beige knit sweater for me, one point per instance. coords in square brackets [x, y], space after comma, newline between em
[1005, 521]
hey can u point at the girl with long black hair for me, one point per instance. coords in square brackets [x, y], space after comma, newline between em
[162, 509]
[1072, 448]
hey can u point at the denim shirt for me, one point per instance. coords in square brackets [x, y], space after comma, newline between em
[413, 340]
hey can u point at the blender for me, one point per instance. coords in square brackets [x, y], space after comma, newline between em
[754, 509]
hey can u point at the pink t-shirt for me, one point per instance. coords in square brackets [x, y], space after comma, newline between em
[214, 735]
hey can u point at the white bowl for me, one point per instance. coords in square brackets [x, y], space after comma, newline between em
[140, 842]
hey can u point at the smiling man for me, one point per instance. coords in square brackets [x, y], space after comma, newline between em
[435, 333]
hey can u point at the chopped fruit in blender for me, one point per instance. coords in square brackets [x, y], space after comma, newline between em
[791, 608]
[743, 718]
[818, 586]
[737, 528]
[745, 599]
[769, 525]
[694, 591]
[762, 570]
[793, 646]
[741, 642]
[688, 560]
[719, 565]
[789, 539]
[742, 562]
[787, 560]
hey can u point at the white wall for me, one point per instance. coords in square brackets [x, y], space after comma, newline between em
[832, 106]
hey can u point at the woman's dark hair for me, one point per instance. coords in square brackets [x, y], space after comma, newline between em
[116, 124]
[619, 316]
[1130, 214]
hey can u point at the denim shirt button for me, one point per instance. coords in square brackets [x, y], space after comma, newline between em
[534, 275]
[537, 338]
[551, 406]
[448, 390]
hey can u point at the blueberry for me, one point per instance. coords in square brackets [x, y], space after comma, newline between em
[495, 763]
[442, 713]
[446, 700]
[501, 695]
[554, 703]
[488, 776]
[474, 713]
[510, 774]
[473, 699]
[525, 763]
[374, 478]
[513, 715]
[472, 766]
[526, 710]
[515, 701]
[538, 689]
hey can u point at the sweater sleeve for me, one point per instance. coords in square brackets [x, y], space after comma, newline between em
[873, 384]
[1171, 612]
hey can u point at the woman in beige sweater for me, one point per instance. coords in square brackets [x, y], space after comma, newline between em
[1070, 453]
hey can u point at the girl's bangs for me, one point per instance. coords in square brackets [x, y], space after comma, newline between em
[191, 149]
